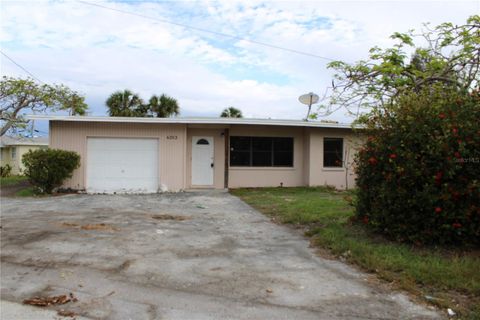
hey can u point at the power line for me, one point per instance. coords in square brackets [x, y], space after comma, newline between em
[265, 44]
[32, 129]
[20, 66]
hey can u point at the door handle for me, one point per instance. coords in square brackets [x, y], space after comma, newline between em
[211, 165]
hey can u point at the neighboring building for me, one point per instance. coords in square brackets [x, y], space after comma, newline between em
[13, 148]
[121, 154]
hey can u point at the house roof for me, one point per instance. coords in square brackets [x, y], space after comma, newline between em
[23, 141]
[186, 120]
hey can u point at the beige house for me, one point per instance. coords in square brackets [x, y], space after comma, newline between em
[172, 154]
[13, 148]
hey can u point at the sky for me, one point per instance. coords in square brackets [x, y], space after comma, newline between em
[97, 51]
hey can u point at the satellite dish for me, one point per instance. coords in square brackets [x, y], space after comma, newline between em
[308, 99]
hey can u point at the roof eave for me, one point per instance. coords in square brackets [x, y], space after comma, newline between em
[206, 121]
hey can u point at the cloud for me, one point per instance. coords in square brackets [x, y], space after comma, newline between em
[98, 51]
[199, 91]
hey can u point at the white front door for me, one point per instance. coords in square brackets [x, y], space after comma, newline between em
[124, 165]
[202, 161]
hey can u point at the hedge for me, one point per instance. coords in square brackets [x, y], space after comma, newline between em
[418, 174]
[46, 169]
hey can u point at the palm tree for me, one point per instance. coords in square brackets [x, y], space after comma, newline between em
[125, 104]
[231, 112]
[164, 106]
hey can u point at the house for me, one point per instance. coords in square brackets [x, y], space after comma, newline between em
[120, 154]
[13, 148]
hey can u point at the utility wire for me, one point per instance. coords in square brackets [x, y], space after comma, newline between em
[20, 66]
[32, 128]
[265, 44]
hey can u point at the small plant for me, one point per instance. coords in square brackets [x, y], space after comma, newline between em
[46, 169]
[5, 171]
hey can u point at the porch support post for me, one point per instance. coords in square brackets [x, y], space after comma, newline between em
[227, 153]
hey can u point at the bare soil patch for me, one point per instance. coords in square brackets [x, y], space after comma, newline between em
[50, 301]
[169, 217]
[11, 190]
[97, 226]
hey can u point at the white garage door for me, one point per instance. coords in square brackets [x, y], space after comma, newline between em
[122, 165]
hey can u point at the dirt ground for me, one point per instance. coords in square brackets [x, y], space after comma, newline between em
[198, 255]
[11, 190]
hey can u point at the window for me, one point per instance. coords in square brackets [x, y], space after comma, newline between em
[203, 142]
[333, 152]
[240, 151]
[261, 152]
[14, 153]
[283, 152]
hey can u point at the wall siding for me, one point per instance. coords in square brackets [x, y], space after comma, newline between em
[240, 177]
[340, 178]
[175, 153]
[16, 164]
[73, 136]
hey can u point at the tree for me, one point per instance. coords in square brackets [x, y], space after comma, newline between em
[18, 96]
[231, 112]
[125, 104]
[418, 174]
[163, 106]
[448, 55]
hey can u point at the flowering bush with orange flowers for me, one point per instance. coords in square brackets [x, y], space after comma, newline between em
[418, 174]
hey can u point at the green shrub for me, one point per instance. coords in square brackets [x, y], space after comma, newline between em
[46, 169]
[418, 174]
[5, 171]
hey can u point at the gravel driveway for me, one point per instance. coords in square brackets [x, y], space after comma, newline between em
[195, 255]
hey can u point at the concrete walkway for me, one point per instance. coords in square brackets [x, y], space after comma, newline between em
[201, 255]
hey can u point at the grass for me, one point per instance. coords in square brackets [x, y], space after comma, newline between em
[26, 192]
[12, 180]
[25, 189]
[446, 277]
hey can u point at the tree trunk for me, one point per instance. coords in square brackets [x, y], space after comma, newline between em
[5, 128]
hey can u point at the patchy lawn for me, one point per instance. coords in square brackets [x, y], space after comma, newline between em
[26, 192]
[17, 186]
[448, 278]
[12, 180]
